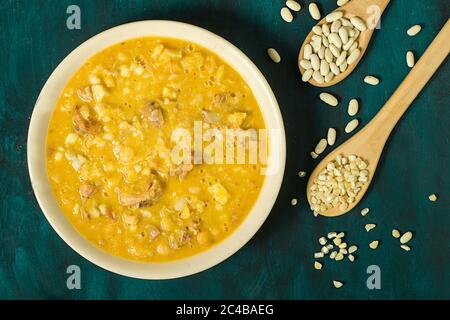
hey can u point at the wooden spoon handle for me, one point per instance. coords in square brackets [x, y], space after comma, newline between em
[390, 114]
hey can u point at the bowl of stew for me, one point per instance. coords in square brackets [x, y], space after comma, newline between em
[156, 149]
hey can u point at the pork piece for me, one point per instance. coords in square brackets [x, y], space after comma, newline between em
[181, 170]
[179, 239]
[153, 113]
[85, 126]
[153, 232]
[147, 196]
[87, 190]
[85, 94]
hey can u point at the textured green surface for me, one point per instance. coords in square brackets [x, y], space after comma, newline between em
[277, 263]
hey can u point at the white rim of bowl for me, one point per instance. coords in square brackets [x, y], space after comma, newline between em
[38, 130]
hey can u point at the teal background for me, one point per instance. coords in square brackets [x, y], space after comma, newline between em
[277, 262]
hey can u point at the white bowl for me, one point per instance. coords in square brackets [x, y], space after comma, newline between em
[47, 101]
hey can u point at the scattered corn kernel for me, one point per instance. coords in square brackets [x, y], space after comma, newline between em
[318, 255]
[365, 211]
[395, 233]
[374, 244]
[352, 249]
[405, 247]
[302, 174]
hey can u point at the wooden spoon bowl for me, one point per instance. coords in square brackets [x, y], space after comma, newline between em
[368, 10]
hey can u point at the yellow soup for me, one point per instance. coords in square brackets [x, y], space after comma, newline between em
[110, 149]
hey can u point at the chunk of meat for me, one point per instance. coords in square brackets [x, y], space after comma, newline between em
[85, 126]
[181, 170]
[85, 94]
[179, 239]
[149, 195]
[87, 190]
[107, 211]
[185, 237]
[153, 232]
[153, 113]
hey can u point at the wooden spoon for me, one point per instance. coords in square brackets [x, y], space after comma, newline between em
[359, 8]
[369, 142]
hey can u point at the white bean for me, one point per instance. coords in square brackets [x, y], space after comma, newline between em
[342, 58]
[343, 67]
[348, 45]
[314, 11]
[317, 30]
[305, 64]
[353, 47]
[317, 43]
[358, 23]
[326, 29]
[329, 77]
[329, 99]
[318, 77]
[334, 68]
[336, 15]
[410, 60]
[354, 55]
[340, 3]
[325, 41]
[335, 26]
[315, 62]
[307, 52]
[321, 53]
[343, 34]
[307, 75]
[324, 68]
[414, 30]
[328, 55]
[274, 55]
[353, 107]
[371, 80]
[286, 14]
[320, 148]
[335, 39]
[346, 22]
[335, 51]
[293, 5]
[331, 136]
[352, 125]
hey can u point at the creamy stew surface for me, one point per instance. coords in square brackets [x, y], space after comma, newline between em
[109, 147]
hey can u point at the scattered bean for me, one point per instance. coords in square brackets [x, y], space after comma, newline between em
[274, 55]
